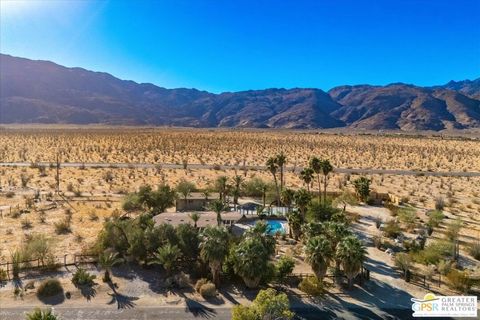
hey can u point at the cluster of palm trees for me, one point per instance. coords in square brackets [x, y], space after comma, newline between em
[328, 242]
[276, 166]
[332, 243]
[319, 168]
[249, 258]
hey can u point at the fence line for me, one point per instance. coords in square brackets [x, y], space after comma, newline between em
[59, 261]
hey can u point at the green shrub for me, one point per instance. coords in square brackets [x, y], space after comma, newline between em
[474, 250]
[392, 229]
[460, 280]
[444, 267]
[312, 286]
[63, 227]
[453, 229]
[377, 241]
[407, 215]
[38, 314]
[26, 224]
[49, 287]
[208, 290]
[439, 204]
[82, 277]
[3, 275]
[200, 283]
[284, 267]
[403, 261]
[434, 218]
[433, 252]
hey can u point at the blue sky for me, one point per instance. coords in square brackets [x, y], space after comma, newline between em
[225, 45]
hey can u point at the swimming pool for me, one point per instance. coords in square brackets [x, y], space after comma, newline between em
[274, 226]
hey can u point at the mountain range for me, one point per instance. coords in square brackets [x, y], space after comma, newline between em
[44, 92]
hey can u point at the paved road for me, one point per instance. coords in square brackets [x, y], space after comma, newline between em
[170, 313]
[240, 167]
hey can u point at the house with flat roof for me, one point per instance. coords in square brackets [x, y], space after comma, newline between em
[196, 201]
[207, 218]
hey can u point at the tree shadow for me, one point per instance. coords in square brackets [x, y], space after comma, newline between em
[88, 292]
[151, 276]
[381, 267]
[122, 301]
[198, 309]
[52, 300]
[228, 296]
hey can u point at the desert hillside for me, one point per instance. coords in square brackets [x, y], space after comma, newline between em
[45, 92]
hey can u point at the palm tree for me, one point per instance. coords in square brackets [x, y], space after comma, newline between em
[218, 207]
[251, 259]
[107, 261]
[326, 168]
[319, 254]
[294, 224]
[302, 199]
[214, 249]
[335, 232]
[195, 216]
[260, 231]
[264, 194]
[287, 197]
[351, 253]
[281, 161]
[307, 176]
[316, 165]
[39, 314]
[221, 185]
[237, 183]
[167, 256]
[272, 166]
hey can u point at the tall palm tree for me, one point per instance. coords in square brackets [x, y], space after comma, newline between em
[166, 256]
[307, 176]
[335, 232]
[326, 167]
[218, 207]
[272, 166]
[316, 165]
[281, 161]
[237, 183]
[351, 253]
[287, 197]
[214, 249]
[221, 185]
[195, 216]
[302, 199]
[319, 254]
[294, 224]
[264, 194]
[107, 261]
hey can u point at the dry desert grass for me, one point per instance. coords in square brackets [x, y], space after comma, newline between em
[19, 184]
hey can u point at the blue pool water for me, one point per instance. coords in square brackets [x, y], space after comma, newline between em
[275, 226]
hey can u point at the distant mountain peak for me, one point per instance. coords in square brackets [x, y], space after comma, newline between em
[37, 91]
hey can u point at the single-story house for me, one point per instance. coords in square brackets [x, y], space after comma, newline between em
[207, 218]
[196, 201]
